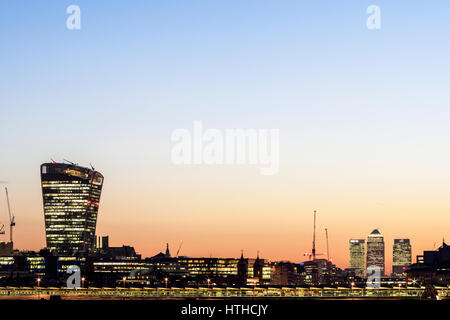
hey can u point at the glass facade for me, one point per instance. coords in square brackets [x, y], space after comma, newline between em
[36, 265]
[357, 256]
[182, 267]
[213, 267]
[6, 264]
[375, 250]
[401, 257]
[71, 196]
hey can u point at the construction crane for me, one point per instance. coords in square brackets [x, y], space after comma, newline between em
[313, 252]
[2, 227]
[12, 223]
[328, 249]
[309, 254]
[179, 248]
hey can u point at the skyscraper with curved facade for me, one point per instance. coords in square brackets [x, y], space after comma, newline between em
[375, 251]
[71, 197]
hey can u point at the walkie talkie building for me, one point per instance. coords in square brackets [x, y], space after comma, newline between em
[71, 196]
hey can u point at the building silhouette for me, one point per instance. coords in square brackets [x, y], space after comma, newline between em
[71, 197]
[242, 270]
[357, 256]
[283, 273]
[167, 254]
[432, 267]
[375, 251]
[401, 257]
[258, 269]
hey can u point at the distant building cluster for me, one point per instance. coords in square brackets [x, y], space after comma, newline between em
[114, 266]
[71, 199]
[362, 258]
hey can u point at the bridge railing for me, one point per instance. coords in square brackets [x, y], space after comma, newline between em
[341, 292]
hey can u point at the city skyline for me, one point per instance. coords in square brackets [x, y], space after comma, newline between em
[362, 117]
[62, 182]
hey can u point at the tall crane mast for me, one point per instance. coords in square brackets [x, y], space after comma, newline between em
[12, 223]
[179, 248]
[328, 250]
[313, 252]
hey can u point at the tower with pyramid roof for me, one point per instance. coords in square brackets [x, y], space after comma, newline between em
[375, 251]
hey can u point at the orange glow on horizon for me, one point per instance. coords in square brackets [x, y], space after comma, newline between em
[221, 218]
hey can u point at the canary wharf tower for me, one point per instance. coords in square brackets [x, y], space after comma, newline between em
[375, 251]
[71, 197]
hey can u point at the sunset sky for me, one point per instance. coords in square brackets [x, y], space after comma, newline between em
[363, 118]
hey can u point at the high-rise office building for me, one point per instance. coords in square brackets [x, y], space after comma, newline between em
[401, 257]
[357, 256]
[71, 196]
[375, 251]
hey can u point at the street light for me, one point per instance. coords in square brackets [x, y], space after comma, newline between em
[82, 282]
[165, 280]
[352, 284]
[209, 281]
[124, 279]
[39, 292]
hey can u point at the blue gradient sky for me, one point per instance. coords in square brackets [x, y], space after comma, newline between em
[363, 117]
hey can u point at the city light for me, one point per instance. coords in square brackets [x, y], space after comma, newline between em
[124, 263]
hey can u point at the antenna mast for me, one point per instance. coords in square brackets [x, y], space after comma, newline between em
[328, 250]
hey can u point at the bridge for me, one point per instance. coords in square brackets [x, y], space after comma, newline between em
[218, 293]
